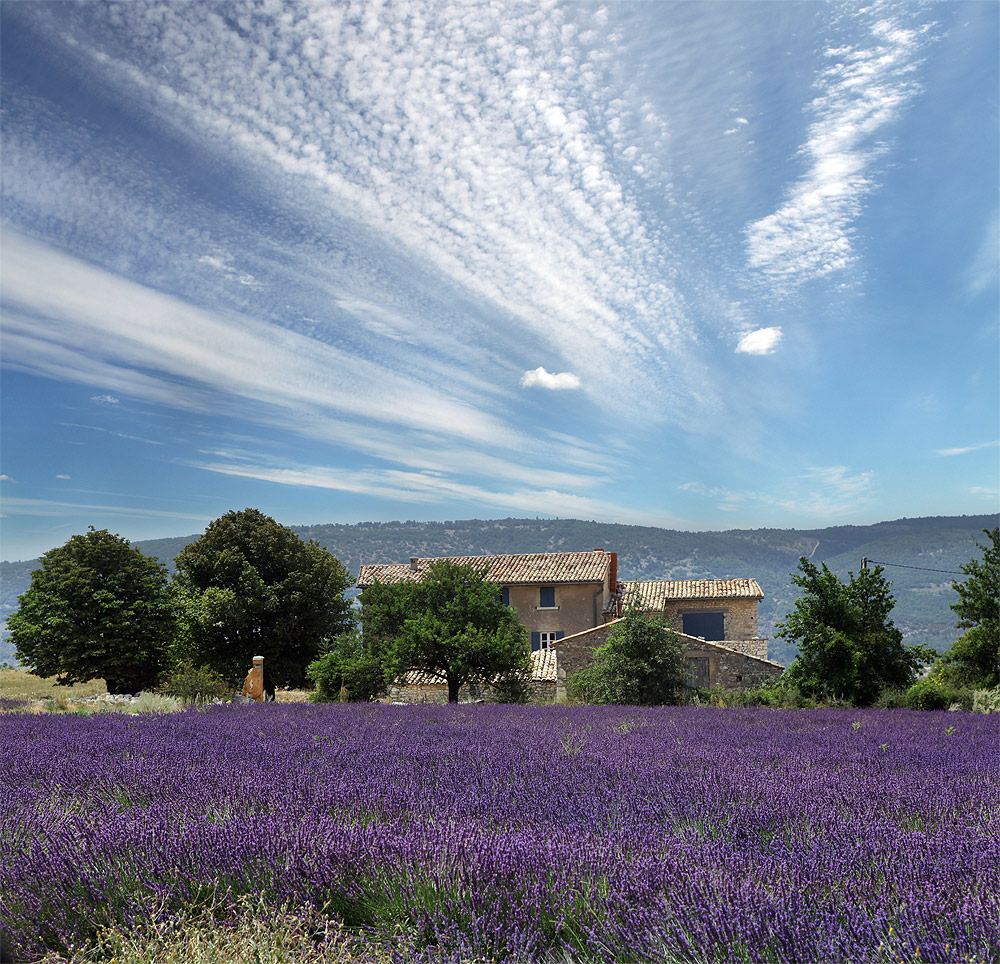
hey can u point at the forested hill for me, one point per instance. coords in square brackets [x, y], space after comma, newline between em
[770, 555]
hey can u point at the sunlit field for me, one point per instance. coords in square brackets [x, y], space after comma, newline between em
[482, 833]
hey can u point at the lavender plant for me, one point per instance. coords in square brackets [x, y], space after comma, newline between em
[671, 834]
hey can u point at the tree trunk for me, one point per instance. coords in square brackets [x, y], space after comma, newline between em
[453, 687]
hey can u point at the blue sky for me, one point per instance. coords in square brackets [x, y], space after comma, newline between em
[702, 265]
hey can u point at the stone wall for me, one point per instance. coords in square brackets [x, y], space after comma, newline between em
[734, 664]
[573, 653]
[541, 691]
[740, 614]
[729, 669]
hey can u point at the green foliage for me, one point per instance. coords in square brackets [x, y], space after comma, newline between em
[347, 667]
[779, 695]
[195, 684]
[641, 664]
[848, 645]
[254, 588]
[975, 656]
[97, 607]
[928, 694]
[452, 621]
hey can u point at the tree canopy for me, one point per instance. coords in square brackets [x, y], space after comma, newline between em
[976, 654]
[451, 621]
[97, 607]
[641, 664]
[254, 588]
[848, 645]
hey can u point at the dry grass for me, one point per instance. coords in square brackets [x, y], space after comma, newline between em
[20, 684]
[291, 696]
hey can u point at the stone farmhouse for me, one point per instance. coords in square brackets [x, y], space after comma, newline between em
[569, 601]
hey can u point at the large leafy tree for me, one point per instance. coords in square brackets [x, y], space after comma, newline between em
[848, 645]
[641, 664]
[976, 654]
[254, 588]
[451, 621]
[97, 607]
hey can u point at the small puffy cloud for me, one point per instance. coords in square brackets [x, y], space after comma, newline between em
[62, 476]
[763, 341]
[104, 399]
[543, 379]
[6, 478]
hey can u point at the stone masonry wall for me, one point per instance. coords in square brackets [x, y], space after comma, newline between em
[731, 670]
[740, 614]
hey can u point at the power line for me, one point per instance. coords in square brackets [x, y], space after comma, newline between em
[899, 565]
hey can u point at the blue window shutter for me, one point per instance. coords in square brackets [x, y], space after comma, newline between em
[547, 596]
[505, 596]
[536, 641]
[559, 635]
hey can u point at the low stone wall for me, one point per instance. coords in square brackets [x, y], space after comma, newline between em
[730, 669]
[540, 691]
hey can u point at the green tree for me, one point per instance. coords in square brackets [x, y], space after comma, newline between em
[451, 621]
[848, 645]
[975, 656]
[254, 588]
[97, 607]
[347, 666]
[641, 664]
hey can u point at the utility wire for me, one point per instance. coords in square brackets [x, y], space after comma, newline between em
[899, 565]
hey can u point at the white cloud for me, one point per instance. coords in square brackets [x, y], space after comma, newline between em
[63, 477]
[967, 448]
[819, 492]
[48, 507]
[6, 478]
[104, 399]
[984, 272]
[863, 91]
[763, 341]
[541, 378]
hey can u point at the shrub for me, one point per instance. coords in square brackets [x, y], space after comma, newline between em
[348, 667]
[986, 701]
[195, 684]
[892, 698]
[930, 694]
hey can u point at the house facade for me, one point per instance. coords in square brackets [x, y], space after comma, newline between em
[556, 594]
[570, 601]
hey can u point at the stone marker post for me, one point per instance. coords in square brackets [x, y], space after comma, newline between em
[254, 684]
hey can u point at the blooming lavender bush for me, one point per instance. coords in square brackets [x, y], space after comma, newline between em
[518, 833]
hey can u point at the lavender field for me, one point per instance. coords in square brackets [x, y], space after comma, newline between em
[518, 834]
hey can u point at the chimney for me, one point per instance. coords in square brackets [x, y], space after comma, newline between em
[614, 572]
[413, 563]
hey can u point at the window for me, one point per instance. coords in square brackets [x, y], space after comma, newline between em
[545, 640]
[505, 596]
[708, 626]
[547, 597]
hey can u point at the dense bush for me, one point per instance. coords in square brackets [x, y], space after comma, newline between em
[195, 684]
[348, 670]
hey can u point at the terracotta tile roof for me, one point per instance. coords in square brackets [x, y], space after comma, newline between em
[526, 569]
[543, 664]
[543, 667]
[656, 593]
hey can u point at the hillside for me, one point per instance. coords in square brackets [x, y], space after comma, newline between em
[923, 596]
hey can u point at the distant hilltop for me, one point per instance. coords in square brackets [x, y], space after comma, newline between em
[922, 557]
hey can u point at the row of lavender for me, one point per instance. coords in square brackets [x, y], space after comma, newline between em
[673, 834]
